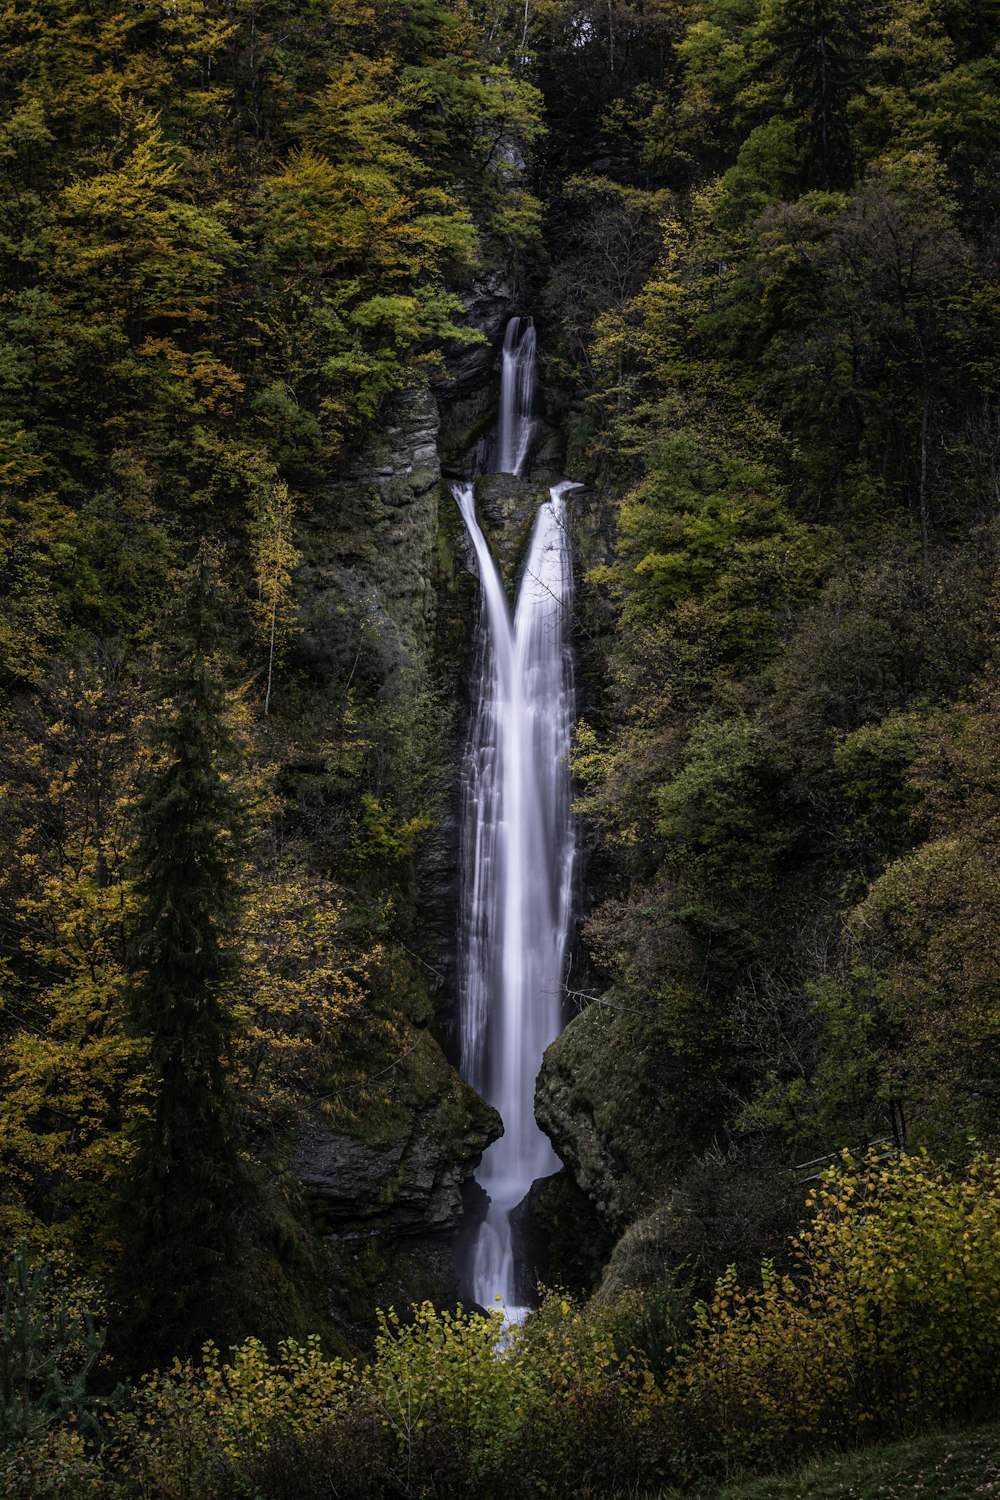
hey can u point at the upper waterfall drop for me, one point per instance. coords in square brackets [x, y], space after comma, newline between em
[516, 423]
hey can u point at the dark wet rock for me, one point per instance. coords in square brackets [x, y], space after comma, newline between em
[391, 1212]
[475, 1202]
[507, 508]
[559, 1240]
[410, 1185]
[413, 1185]
[489, 304]
[467, 427]
[530, 1244]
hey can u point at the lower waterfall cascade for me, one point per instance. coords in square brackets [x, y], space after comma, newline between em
[518, 849]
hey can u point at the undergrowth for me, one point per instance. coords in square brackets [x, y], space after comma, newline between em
[887, 1322]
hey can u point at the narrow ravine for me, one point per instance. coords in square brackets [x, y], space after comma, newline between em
[518, 841]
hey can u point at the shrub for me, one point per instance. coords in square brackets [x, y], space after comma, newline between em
[452, 1404]
[49, 1346]
[890, 1317]
[441, 1367]
[192, 1422]
[55, 1466]
[886, 1317]
[524, 1407]
[348, 1457]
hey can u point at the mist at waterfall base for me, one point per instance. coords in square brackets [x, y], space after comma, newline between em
[518, 843]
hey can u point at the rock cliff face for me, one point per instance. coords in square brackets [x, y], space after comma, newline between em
[366, 581]
[389, 589]
[397, 482]
[409, 1188]
[388, 1188]
[406, 479]
[385, 1177]
[469, 385]
[469, 368]
[574, 1104]
[607, 1097]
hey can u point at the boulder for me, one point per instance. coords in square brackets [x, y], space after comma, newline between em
[404, 1187]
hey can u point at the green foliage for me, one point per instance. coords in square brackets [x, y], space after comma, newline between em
[721, 812]
[611, 233]
[446, 1399]
[817, 51]
[385, 837]
[795, 414]
[873, 765]
[440, 1367]
[927, 928]
[707, 521]
[49, 1348]
[205, 218]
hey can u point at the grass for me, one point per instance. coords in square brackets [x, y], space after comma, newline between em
[939, 1466]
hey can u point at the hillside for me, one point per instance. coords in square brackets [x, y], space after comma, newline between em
[257, 265]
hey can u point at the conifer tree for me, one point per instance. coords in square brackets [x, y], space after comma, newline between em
[178, 1281]
[819, 48]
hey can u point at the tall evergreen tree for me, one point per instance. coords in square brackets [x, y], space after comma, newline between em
[178, 1282]
[819, 46]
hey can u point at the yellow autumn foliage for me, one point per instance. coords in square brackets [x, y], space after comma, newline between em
[889, 1316]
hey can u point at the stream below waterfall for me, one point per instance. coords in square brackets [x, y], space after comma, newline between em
[518, 845]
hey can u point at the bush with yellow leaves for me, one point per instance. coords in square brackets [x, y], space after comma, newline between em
[189, 1424]
[890, 1318]
[451, 1403]
[887, 1319]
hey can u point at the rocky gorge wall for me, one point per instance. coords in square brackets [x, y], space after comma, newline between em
[389, 599]
[392, 1194]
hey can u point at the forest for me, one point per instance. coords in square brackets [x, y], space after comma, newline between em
[257, 260]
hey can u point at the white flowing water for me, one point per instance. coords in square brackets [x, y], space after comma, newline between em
[518, 852]
[517, 856]
[516, 425]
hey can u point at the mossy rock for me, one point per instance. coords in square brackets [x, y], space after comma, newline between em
[606, 1097]
[507, 508]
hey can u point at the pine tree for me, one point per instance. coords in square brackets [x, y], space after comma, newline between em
[819, 50]
[178, 1282]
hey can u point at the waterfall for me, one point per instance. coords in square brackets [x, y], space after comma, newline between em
[516, 427]
[518, 853]
[518, 843]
